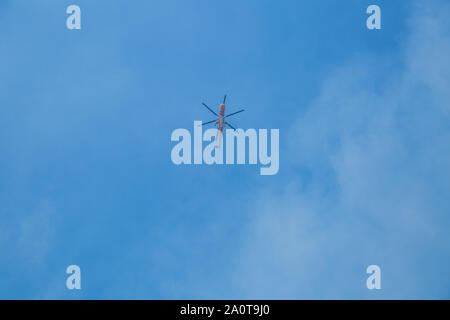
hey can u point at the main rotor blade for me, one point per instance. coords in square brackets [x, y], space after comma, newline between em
[209, 122]
[210, 109]
[229, 115]
[224, 98]
[231, 126]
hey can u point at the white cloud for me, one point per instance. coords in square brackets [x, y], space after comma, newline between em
[376, 146]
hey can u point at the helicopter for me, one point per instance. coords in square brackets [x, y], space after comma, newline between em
[220, 121]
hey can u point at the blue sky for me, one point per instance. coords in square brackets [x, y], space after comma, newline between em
[85, 170]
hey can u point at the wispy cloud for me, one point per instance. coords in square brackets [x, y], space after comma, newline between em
[371, 179]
